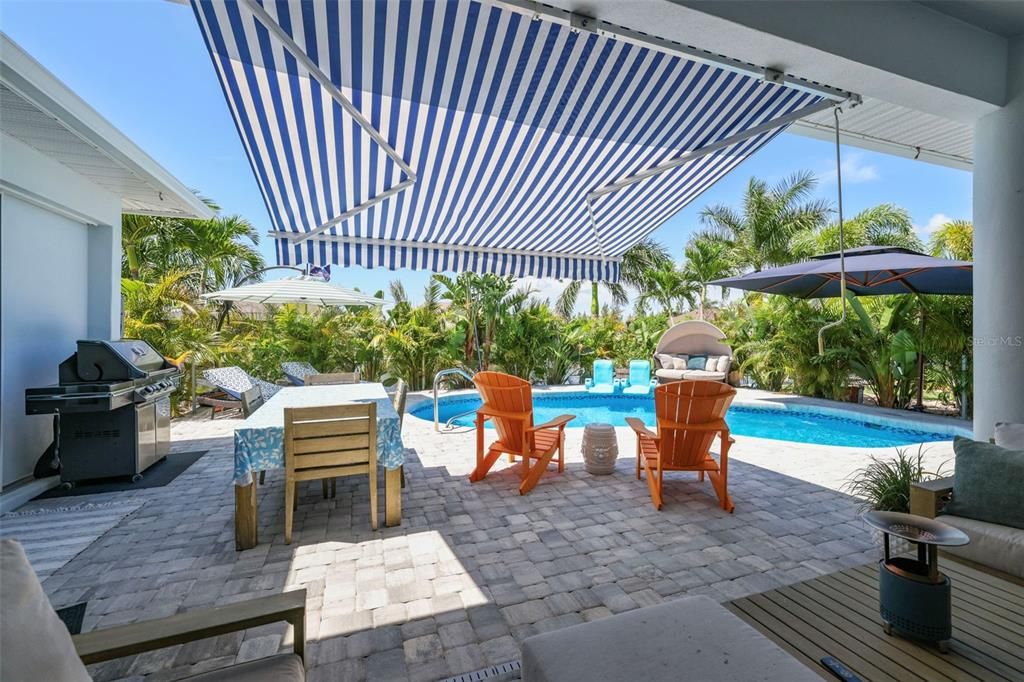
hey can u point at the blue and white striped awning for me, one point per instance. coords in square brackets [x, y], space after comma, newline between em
[504, 123]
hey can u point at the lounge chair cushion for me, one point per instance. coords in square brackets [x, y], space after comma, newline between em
[280, 668]
[35, 643]
[235, 381]
[1000, 547]
[1010, 435]
[988, 483]
[694, 638]
[296, 372]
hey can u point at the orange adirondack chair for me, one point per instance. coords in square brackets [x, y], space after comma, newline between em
[690, 414]
[508, 402]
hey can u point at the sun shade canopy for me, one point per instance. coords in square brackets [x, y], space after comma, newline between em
[303, 290]
[870, 271]
[467, 136]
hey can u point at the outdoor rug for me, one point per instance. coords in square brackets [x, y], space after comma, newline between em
[156, 476]
[52, 536]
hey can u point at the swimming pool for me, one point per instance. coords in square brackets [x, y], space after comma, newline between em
[794, 425]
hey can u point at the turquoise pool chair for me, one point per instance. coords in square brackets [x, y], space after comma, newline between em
[603, 380]
[639, 381]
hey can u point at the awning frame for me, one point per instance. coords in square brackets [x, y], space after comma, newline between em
[327, 84]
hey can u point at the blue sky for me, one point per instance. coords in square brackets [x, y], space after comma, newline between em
[143, 65]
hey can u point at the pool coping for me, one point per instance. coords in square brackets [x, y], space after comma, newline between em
[748, 397]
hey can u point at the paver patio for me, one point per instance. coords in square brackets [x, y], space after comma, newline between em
[474, 568]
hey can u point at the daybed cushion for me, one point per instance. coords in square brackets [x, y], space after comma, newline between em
[679, 362]
[988, 483]
[1001, 547]
[281, 668]
[679, 374]
[35, 643]
[694, 638]
[665, 360]
[697, 362]
[724, 363]
[1010, 435]
[712, 363]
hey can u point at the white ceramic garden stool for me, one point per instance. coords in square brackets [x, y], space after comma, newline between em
[600, 448]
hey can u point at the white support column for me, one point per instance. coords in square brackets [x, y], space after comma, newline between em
[999, 257]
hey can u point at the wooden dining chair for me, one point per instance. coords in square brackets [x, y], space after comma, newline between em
[690, 414]
[323, 443]
[332, 378]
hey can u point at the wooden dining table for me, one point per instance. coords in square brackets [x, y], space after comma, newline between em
[259, 446]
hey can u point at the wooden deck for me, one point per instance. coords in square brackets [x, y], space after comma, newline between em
[837, 615]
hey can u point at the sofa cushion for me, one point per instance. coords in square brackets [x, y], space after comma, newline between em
[665, 360]
[996, 546]
[1010, 435]
[679, 361]
[694, 638]
[724, 363]
[280, 668]
[697, 362]
[988, 483]
[712, 363]
[670, 374]
[35, 643]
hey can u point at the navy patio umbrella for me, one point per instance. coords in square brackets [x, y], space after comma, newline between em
[870, 271]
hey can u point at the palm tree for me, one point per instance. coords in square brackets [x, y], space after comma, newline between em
[759, 235]
[635, 263]
[954, 240]
[882, 225]
[706, 260]
[669, 287]
[461, 293]
[222, 250]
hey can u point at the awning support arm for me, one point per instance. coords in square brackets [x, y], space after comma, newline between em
[320, 77]
[687, 157]
[842, 244]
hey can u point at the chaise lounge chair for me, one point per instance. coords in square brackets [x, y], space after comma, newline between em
[639, 381]
[603, 380]
[231, 384]
[296, 372]
[508, 402]
[690, 414]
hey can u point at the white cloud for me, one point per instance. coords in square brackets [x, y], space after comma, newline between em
[935, 222]
[855, 170]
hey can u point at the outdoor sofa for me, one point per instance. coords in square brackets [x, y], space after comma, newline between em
[694, 638]
[36, 644]
[984, 499]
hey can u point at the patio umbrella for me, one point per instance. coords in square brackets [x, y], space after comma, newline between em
[870, 271]
[302, 289]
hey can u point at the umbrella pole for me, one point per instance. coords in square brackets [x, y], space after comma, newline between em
[842, 244]
[919, 407]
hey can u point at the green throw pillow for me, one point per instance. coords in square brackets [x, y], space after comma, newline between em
[697, 362]
[988, 483]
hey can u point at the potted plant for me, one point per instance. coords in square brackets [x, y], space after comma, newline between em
[884, 485]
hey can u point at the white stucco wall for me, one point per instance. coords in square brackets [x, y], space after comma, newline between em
[59, 281]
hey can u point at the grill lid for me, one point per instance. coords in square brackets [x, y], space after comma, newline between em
[111, 361]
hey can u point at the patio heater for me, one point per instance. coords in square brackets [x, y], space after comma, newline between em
[913, 595]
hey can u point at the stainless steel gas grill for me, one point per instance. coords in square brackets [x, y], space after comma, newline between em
[114, 409]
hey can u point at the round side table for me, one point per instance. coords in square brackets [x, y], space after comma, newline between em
[600, 448]
[913, 595]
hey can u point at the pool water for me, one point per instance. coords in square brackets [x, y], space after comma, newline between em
[761, 422]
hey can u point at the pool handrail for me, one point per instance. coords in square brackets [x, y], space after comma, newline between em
[437, 378]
